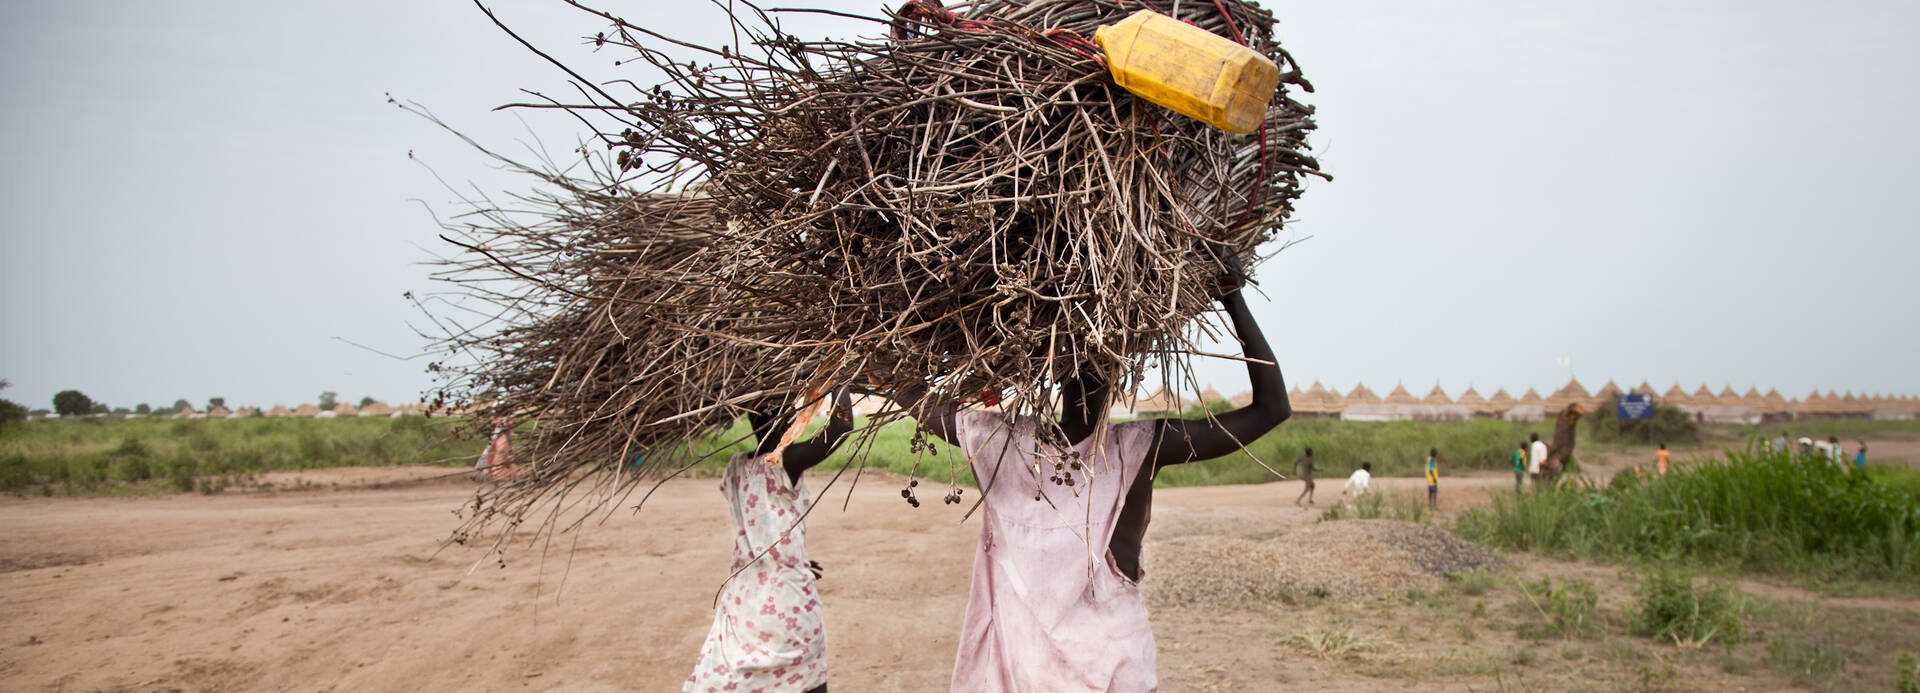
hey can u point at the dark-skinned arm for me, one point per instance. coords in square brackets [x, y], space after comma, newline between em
[939, 415]
[1178, 441]
[804, 455]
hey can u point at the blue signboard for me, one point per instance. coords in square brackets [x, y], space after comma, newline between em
[1636, 407]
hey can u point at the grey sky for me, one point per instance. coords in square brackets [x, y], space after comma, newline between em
[200, 197]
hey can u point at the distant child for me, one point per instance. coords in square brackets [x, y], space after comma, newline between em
[1519, 458]
[1662, 455]
[1433, 478]
[1860, 458]
[1358, 483]
[1535, 455]
[1836, 453]
[1304, 468]
[496, 461]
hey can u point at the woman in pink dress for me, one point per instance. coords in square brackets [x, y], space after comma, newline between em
[1055, 600]
[768, 630]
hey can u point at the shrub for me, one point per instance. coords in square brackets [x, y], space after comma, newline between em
[1763, 512]
[15, 475]
[1569, 606]
[1909, 670]
[1669, 424]
[1671, 608]
[1805, 662]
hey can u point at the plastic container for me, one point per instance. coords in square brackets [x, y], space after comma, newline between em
[1190, 70]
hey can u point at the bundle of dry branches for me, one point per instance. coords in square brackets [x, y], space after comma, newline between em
[971, 205]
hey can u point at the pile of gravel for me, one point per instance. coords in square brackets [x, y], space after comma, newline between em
[1346, 561]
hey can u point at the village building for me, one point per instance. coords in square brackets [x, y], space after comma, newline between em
[376, 408]
[307, 411]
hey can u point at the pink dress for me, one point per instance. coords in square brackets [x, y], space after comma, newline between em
[768, 633]
[1048, 610]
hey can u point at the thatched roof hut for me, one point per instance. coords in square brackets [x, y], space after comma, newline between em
[1605, 395]
[1437, 396]
[1361, 395]
[1703, 396]
[376, 408]
[1317, 403]
[344, 409]
[279, 412]
[1245, 398]
[1399, 395]
[1532, 397]
[1727, 397]
[1676, 397]
[1570, 393]
[1500, 402]
[246, 412]
[1211, 395]
[1162, 402]
[219, 411]
[186, 412]
[1645, 389]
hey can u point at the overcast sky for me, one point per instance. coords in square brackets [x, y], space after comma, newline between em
[213, 198]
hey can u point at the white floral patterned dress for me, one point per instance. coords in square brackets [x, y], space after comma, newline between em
[768, 632]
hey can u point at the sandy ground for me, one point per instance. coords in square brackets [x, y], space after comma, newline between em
[342, 585]
[349, 590]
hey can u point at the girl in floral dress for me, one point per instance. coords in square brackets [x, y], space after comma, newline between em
[768, 633]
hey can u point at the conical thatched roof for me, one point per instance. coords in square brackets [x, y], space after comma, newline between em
[279, 412]
[1361, 395]
[1676, 396]
[1317, 400]
[1399, 395]
[1644, 389]
[376, 409]
[1849, 403]
[1471, 398]
[1606, 393]
[1727, 397]
[1157, 403]
[1776, 404]
[1500, 400]
[1211, 395]
[1437, 396]
[307, 411]
[344, 409]
[1245, 398]
[218, 412]
[246, 412]
[1531, 397]
[1703, 396]
[1568, 394]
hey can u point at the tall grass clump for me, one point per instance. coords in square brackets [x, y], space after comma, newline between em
[1671, 608]
[1755, 511]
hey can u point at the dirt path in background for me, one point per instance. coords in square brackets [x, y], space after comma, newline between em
[342, 590]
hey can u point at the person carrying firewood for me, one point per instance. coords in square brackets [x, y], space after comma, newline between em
[1055, 602]
[768, 628]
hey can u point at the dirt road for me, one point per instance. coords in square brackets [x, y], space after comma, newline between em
[347, 590]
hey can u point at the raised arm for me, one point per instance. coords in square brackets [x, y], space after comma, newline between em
[939, 415]
[1177, 441]
[803, 455]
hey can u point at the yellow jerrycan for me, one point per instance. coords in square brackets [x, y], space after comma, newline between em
[1190, 70]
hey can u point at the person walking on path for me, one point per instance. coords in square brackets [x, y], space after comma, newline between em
[1535, 455]
[1433, 478]
[769, 630]
[1055, 602]
[496, 461]
[1661, 454]
[1860, 458]
[1519, 458]
[1303, 467]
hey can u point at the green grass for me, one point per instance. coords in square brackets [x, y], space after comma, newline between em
[111, 456]
[1756, 512]
[1395, 449]
[1673, 609]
